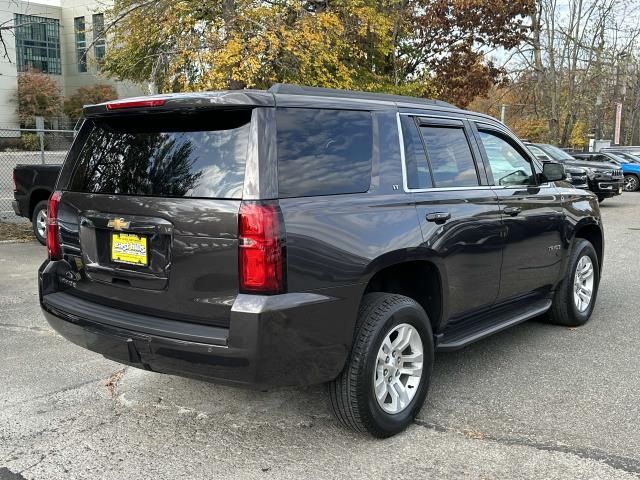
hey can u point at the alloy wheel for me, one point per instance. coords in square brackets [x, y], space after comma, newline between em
[398, 368]
[583, 283]
[631, 183]
[41, 223]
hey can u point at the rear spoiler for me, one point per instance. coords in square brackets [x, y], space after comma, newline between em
[182, 102]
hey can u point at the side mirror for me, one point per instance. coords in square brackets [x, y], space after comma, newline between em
[553, 171]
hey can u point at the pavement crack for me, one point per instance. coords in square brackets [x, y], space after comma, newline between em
[113, 380]
[619, 462]
[42, 457]
[12, 326]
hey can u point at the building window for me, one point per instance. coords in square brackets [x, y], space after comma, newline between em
[81, 43]
[98, 38]
[37, 44]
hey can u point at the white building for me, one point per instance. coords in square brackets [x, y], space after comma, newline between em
[57, 41]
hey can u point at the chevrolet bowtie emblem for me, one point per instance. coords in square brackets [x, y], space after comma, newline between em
[118, 224]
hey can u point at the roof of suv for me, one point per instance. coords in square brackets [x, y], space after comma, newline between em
[289, 89]
[278, 94]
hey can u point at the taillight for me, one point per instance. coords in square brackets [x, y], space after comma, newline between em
[53, 238]
[261, 248]
[152, 102]
[15, 185]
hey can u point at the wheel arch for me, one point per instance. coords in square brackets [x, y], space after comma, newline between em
[592, 232]
[37, 195]
[415, 275]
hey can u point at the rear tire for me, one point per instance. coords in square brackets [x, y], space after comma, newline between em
[39, 222]
[570, 306]
[358, 399]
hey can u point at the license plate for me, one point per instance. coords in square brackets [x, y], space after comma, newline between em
[129, 248]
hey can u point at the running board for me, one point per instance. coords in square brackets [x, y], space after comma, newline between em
[494, 323]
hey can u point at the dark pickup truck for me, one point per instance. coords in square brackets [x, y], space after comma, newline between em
[299, 235]
[32, 187]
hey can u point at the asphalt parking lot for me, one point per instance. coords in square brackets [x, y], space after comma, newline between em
[536, 401]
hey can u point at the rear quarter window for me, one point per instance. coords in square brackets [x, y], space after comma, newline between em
[168, 155]
[323, 152]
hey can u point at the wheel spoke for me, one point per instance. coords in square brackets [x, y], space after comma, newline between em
[403, 396]
[411, 370]
[393, 393]
[412, 357]
[381, 389]
[402, 340]
[386, 346]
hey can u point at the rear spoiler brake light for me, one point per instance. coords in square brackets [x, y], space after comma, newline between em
[118, 105]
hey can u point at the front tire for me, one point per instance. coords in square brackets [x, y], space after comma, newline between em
[631, 183]
[575, 297]
[387, 375]
[39, 222]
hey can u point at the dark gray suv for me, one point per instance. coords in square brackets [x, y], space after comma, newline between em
[300, 235]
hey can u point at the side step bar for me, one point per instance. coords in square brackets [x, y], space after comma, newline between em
[494, 323]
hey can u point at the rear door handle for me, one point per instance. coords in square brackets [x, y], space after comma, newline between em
[438, 217]
[513, 211]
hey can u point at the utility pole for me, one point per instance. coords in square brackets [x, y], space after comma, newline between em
[620, 92]
[503, 111]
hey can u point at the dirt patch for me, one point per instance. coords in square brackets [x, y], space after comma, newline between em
[16, 231]
[113, 380]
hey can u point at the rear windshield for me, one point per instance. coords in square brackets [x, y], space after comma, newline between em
[168, 155]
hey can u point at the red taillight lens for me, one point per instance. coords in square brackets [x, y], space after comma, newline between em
[155, 102]
[53, 239]
[261, 252]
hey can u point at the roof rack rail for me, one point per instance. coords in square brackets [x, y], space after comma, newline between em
[292, 89]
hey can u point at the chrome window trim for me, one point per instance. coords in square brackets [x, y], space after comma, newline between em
[405, 183]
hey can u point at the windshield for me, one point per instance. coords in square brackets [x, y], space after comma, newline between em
[616, 159]
[557, 153]
[628, 156]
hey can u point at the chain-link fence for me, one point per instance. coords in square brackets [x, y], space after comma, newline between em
[27, 146]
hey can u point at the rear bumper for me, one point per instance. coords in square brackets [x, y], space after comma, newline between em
[290, 339]
[16, 208]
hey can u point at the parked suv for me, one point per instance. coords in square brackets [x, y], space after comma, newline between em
[299, 235]
[604, 179]
[630, 169]
[577, 176]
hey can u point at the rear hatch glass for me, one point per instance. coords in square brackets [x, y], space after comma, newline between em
[169, 155]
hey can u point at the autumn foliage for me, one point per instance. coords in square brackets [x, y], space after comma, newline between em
[88, 96]
[423, 47]
[38, 96]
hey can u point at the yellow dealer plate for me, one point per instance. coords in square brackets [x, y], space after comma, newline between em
[129, 248]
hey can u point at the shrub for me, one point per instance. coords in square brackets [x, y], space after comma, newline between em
[30, 142]
[88, 96]
[38, 96]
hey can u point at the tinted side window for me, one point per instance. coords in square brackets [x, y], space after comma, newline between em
[415, 158]
[452, 163]
[323, 152]
[507, 165]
